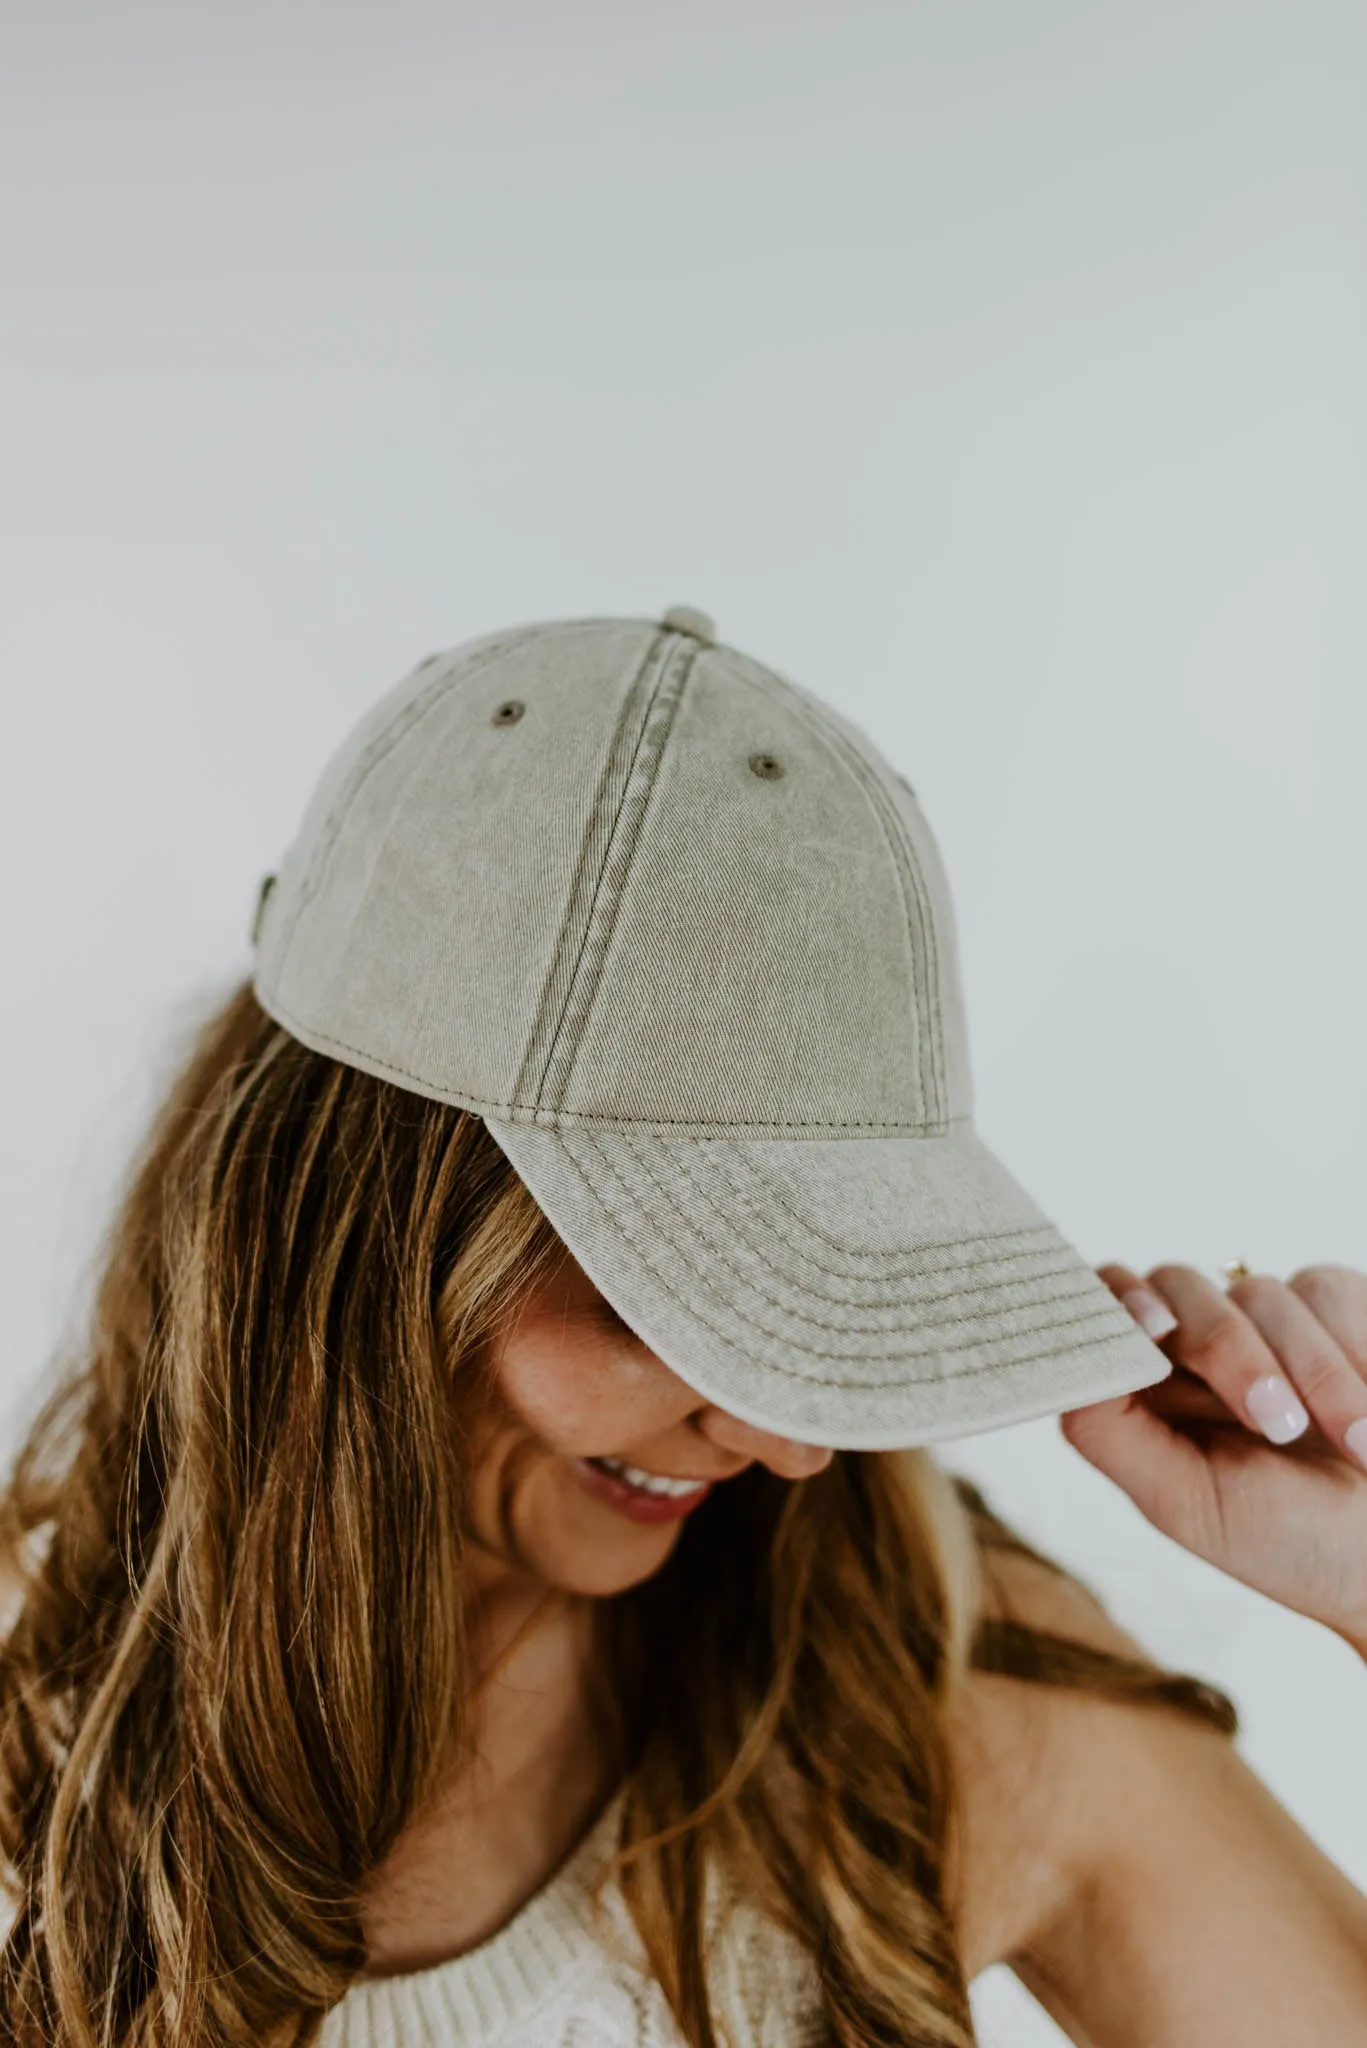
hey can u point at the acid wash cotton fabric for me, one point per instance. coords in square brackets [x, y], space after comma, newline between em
[680, 934]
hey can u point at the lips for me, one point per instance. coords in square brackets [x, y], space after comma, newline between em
[634, 1502]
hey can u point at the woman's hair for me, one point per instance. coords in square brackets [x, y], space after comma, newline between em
[235, 1663]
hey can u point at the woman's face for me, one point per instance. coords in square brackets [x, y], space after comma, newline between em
[579, 1386]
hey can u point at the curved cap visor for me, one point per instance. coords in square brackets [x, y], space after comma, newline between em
[860, 1293]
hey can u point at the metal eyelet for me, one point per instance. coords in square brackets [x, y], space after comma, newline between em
[767, 766]
[509, 713]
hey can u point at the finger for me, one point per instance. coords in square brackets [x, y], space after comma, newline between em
[1328, 1382]
[1164, 1473]
[1224, 1347]
[1153, 1315]
[1181, 1397]
[1338, 1296]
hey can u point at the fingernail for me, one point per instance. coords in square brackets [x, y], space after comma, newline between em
[1355, 1436]
[1274, 1407]
[1153, 1316]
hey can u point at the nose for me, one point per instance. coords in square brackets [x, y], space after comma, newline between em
[782, 1454]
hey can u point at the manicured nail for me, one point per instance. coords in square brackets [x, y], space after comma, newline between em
[1274, 1407]
[1355, 1436]
[1153, 1316]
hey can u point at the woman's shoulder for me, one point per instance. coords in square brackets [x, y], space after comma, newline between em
[1044, 1774]
[1121, 1857]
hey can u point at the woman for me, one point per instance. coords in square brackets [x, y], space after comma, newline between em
[503, 1439]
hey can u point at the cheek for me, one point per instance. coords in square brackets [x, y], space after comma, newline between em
[582, 1399]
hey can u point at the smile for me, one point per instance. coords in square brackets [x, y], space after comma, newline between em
[639, 1495]
[650, 1482]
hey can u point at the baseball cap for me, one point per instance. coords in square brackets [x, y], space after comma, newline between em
[680, 934]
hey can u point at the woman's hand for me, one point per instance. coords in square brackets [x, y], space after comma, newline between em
[1253, 1452]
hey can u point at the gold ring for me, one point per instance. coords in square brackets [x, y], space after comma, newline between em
[1236, 1270]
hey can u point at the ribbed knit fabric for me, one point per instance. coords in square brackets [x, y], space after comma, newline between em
[557, 1976]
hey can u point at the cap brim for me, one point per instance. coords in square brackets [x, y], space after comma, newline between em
[861, 1293]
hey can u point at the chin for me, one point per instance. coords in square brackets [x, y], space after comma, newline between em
[596, 1570]
[585, 1548]
[608, 1579]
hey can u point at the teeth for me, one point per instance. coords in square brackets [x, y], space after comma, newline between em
[650, 1482]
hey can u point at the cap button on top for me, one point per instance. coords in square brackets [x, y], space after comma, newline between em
[683, 619]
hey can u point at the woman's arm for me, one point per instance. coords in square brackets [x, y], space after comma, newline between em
[1124, 1861]
[1139, 1878]
[1199, 1911]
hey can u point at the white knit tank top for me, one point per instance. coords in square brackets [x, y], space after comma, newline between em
[559, 1976]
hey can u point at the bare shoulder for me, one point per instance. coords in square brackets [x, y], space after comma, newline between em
[1127, 1864]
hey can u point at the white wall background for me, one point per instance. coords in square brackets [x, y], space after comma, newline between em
[994, 370]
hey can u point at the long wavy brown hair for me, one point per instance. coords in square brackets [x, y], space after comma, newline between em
[235, 1663]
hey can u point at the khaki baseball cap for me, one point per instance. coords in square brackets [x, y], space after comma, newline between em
[681, 935]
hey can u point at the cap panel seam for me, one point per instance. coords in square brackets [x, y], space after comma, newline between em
[905, 856]
[907, 868]
[405, 718]
[544, 1033]
[661, 709]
